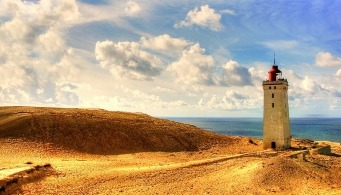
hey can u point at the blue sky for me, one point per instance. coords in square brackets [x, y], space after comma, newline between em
[170, 58]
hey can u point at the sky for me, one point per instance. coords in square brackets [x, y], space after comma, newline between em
[170, 58]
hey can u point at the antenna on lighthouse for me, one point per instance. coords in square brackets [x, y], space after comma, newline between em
[274, 58]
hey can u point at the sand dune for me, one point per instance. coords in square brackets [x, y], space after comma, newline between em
[103, 132]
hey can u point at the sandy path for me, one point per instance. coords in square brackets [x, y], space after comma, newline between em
[194, 163]
[214, 177]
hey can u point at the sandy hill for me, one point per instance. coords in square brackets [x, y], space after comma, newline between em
[103, 132]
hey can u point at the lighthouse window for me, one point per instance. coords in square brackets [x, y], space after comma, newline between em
[273, 105]
[275, 87]
[270, 87]
[273, 95]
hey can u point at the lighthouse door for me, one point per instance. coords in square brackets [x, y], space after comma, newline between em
[273, 145]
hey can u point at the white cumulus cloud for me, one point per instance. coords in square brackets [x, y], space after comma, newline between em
[204, 17]
[194, 67]
[233, 74]
[326, 59]
[132, 8]
[309, 85]
[127, 59]
[166, 44]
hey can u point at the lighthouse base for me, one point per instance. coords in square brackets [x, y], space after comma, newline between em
[278, 144]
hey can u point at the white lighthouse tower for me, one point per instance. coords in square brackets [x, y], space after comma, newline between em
[276, 124]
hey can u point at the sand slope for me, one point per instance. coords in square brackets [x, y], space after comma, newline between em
[103, 132]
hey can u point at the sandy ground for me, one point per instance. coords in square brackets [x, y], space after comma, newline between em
[243, 169]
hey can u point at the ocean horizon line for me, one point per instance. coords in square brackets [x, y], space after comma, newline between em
[314, 128]
[246, 117]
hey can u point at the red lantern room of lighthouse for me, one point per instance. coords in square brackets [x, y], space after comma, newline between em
[274, 74]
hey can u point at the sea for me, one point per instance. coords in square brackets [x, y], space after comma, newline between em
[326, 129]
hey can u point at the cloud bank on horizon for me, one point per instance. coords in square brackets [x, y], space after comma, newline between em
[170, 58]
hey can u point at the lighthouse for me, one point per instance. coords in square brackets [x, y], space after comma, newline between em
[276, 124]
